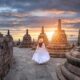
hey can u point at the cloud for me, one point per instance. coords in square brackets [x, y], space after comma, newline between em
[35, 13]
[74, 25]
[31, 5]
[7, 9]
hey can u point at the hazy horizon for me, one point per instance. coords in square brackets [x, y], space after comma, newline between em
[34, 32]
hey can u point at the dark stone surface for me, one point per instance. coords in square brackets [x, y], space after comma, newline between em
[68, 75]
[70, 69]
[59, 73]
[73, 60]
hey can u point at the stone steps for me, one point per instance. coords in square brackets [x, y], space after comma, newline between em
[59, 73]
[73, 69]
[69, 75]
[64, 74]
[73, 60]
[70, 70]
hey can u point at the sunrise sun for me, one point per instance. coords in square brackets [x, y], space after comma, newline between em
[50, 34]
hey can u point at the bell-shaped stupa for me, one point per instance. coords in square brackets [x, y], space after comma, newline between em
[27, 41]
[59, 43]
[60, 38]
[44, 36]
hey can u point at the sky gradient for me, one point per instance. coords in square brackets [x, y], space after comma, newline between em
[18, 15]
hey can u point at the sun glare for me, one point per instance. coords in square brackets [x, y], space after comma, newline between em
[50, 34]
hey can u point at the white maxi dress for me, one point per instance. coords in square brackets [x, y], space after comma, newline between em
[41, 55]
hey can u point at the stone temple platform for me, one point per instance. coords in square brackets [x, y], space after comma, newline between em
[70, 70]
[24, 68]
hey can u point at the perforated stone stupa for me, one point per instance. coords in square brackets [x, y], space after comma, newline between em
[59, 42]
[27, 41]
[44, 36]
[60, 38]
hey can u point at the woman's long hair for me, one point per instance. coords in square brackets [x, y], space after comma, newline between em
[40, 44]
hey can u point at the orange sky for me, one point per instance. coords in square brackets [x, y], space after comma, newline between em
[34, 32]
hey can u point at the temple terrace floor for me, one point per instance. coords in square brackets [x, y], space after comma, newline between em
[24, 68]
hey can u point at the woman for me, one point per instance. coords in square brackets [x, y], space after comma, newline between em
[41, 54]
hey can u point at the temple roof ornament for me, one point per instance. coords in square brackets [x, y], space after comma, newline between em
[8, 32]
[42, 30]
[27, 32]
[59, 24]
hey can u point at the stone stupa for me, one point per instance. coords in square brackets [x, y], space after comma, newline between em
[60, 38]
[27, 41]
[59, 42]
[44, 36]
